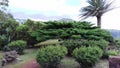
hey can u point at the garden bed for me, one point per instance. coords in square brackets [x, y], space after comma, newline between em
[29, 55]
[67, 62]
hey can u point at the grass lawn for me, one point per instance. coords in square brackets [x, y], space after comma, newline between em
[0, 54]
[67, 62]
[30, 54]
[102, 64]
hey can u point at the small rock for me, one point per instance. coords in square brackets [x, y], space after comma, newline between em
[114, 62]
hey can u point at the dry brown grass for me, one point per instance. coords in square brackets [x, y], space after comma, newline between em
[48, 42]
[102, 64]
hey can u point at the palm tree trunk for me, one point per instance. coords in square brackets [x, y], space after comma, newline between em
[99, 21]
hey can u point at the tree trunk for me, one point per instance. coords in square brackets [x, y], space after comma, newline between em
[99, 21]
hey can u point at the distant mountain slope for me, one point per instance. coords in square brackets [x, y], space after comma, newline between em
[21, 21]
[115, 33]
[66, 19]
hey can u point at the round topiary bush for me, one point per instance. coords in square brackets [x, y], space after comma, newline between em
[87, 56]
[117, 43]
[71, 44]
[18, 45]
[113, 52]
[50, 56]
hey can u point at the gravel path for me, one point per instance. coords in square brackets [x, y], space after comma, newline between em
[34, 64]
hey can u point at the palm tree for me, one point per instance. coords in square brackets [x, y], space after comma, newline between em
[96, 8]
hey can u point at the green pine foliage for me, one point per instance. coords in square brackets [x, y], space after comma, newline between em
[71, 30]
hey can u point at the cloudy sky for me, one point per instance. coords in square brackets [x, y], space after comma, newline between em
[57, 9]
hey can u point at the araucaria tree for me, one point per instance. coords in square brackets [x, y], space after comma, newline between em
[96, 8]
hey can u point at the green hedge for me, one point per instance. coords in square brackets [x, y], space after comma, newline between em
[71, 44]
[117, 42]
[87, 56]
[18, 45]
[50, 56]
[113, 52]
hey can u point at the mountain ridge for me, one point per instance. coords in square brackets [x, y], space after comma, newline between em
[115, 33]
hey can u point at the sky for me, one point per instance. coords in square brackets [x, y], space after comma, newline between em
[45, 10]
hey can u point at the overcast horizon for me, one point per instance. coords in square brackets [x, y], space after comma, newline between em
[44, 10]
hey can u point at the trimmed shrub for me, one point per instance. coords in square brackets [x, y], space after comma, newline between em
[113, 52]
[3, 41]
[76, 36]
[71, 44]
[87, 56]
[18, 45]
[64, 35]
[103, 44]
[117, 43]
[93, 37]
[50, 56]
[100, 33]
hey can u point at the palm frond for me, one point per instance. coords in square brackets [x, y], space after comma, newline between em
[96, 8]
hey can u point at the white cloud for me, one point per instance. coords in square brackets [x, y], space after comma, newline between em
[46, 7]
[111, 19]
[57, 6]
[50, 8]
